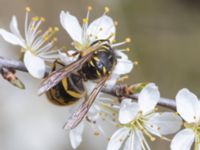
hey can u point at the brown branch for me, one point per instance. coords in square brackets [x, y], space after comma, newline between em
[117, 90]
[10, 63]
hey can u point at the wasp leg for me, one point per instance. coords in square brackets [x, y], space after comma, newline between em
[55, 63]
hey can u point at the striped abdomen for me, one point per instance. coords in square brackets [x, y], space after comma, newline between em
[68, 91]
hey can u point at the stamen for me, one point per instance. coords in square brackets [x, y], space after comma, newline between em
[36, 18]
[28, 9]
[42, 19]
[125, 50]
[127, 40]
[116, 23]
[145, 131]
[56, 28]
[136, 63]
[106, 10]
[85, 20]
[89, 8]
[50, 33]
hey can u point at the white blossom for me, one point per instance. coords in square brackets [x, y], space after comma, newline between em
[188, 106]
[100, 29]
[138, 120]
[35, 45]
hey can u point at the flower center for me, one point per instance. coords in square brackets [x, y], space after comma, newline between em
[138, 123]
[196, 129]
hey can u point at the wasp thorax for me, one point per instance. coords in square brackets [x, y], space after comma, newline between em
[101, 63]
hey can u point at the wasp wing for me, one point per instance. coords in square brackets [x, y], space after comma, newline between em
[55, 77]
[77, 117]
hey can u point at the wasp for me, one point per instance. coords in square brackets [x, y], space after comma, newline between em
[65, 86]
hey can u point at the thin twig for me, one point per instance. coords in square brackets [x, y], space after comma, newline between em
[114, 91]
[118, 92]
[14, 64]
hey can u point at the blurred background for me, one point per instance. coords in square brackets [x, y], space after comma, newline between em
[165, 41]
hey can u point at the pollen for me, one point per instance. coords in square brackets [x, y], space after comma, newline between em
[152, 139]
[128, 49]
[36, 18]
[54, 39]
[128, 40]
[89, 8]
[106, 9]
[42, 19]
[85, 20]
[136, 63]
[28, 9]
[56, 28]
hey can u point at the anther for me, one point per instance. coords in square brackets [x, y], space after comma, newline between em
[116, 23]
[42, 19]
[56, 28]
[85, 20]
[28, 9]
[136, 63]
[128, 40]
[36, 18]
[106, 9]
[89, 8]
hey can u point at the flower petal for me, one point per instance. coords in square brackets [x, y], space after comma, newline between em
[35, 65]
[122, 55]
[11, 38]
[101, 28]
[128, 111]
[75, 135]
[71, 25]
[188, 106]
[148, 98]
[133, 142]
[118, 138]
[14, 27]
[112, 80]
[89, 86]
[67, 59]
[183, 140]
[123, 67]
[163, 123]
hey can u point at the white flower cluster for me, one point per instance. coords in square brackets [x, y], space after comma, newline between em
[35, 46]
[135, 120]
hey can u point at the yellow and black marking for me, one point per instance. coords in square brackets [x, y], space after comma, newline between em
[68, 91]
[101, 63]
